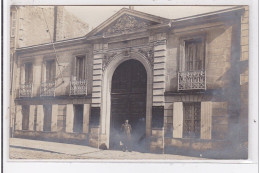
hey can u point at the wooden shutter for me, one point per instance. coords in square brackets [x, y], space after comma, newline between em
[69, 118]
[177, 119]
[40, 117]
[54, 117]
[18, 118]
[206, 120]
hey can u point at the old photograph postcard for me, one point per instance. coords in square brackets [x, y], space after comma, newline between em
[129, 82]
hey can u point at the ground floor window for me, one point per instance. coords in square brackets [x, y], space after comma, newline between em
[47, 117]
[25, 118]
[78, 118]
[35, 119]
[61, 119]
[191, 120]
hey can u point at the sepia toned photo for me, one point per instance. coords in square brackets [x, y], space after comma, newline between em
[129, 82]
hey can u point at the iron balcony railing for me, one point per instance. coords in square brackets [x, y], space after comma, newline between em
[78, 87]
[192, 80]
[48, 89]
[25, 90]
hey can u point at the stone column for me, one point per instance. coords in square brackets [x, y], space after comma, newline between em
[40, 118]
[69, 118]
[86, 114]
[18, 118]
[54, 115]
[31, 117]
[97, 80]
[159, 69]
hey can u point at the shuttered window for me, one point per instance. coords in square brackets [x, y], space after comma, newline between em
[191, 120]
[194, 54]
[25, 118]
[47, 117]
[61, 119]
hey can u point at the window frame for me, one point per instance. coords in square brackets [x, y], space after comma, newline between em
[76, 69]
[192, 134]
[54, 70]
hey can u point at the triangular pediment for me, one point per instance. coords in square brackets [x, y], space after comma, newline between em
[126, 21]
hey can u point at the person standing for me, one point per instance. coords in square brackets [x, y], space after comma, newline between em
[126, 138]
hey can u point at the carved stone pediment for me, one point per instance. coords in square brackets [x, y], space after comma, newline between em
[126, 24]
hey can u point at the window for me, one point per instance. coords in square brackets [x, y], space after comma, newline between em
[61, 119]
[192, 74]
[25, 119]
[50, 70]
[13, 24]
[35, 119]
[80, 68]
[191, 120]
[78, 118]
[47, 117]
[194, 54]
[157, 116]
[28, 78]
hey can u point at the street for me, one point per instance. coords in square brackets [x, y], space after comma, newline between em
[37, 150]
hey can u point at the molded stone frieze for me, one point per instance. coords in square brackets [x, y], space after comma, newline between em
[126, 24]
[148, 53]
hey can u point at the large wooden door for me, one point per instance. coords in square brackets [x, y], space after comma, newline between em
[128, 101]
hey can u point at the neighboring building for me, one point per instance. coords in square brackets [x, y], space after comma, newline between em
[182, 84]
[33, 25]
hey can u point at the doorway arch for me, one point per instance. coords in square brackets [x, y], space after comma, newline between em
[106, 93]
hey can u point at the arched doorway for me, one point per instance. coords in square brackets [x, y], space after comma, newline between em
[128, 102]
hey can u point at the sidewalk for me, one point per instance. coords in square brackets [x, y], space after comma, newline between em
[35, 149]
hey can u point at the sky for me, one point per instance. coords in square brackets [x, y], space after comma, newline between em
[95, 15]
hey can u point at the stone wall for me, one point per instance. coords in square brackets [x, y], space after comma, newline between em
[33, 30]
[244, 58]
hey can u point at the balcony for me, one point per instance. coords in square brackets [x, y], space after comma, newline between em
[48, 89]
[78, 87]
[192, 80]
[25, 90]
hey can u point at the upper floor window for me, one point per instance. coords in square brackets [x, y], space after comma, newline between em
[192, 74]
[80, 67]
[50, 70]
[194, 54]
[191, 119]
[28, 78]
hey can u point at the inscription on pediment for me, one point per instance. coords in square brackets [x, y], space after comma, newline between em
[126, 24]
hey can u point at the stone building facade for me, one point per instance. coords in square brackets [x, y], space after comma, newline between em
[181, 83]
[33, 25]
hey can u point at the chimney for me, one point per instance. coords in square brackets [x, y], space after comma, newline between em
[131, 7]
[58, 23]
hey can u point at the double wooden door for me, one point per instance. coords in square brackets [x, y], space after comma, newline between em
[128, 99]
